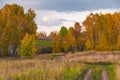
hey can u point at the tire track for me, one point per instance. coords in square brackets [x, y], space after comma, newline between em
[104, 75]
[88, 74]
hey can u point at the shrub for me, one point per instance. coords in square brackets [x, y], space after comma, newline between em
[27, 46]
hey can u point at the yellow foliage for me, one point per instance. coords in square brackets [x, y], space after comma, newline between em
[88, 45]
[27, 46]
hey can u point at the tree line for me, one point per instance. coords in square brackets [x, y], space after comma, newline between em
[102, 33]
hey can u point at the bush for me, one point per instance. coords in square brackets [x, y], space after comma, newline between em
[27, 46]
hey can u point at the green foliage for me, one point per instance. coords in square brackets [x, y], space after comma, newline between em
[27, 46]
[63, 31]
[70, 74]
[111, 69]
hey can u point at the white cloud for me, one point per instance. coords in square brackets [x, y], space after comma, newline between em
[47, 30]
[49, 20]
[45, 19]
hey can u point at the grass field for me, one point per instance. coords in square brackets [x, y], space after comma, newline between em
[34, 69]
[44, 43]
[53, 67]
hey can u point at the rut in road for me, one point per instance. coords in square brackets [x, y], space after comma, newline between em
[104, 75]
[88, 74]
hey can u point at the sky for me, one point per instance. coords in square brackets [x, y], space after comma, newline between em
[52, 14]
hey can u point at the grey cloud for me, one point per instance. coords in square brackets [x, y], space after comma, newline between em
[66, 5]
[25, 3]
[78, 5]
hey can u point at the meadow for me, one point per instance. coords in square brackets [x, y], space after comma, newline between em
[34, 69]
[55, 67]
[44, 42]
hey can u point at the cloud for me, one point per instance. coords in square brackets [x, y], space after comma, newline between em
[45, 19]
[65, 5]
[49, 20]
[25, 3]
[77, 5]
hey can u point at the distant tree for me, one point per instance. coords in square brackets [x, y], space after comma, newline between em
[81, 43]
[53, 34]
[77, 29]
[42, 35]
[63, 31]
[80, 38]
[57, 44]
[69, 43]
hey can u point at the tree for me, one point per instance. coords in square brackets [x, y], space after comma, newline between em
[53, 34]
[14, 24]
[80, 38]
[27, 45]
[77, 29]
[103, 30]
[102, 43]
[88, 45]
[57, 44]
[118, 43]
[81, 43]
[102, 33]
[69, 43]
[92, 28]
[42, 35]
[63, 31]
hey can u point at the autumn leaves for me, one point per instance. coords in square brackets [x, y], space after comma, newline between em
[14, 25]
[102, 34]
[68, 40]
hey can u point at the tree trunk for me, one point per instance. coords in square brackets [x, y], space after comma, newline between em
[12, 50]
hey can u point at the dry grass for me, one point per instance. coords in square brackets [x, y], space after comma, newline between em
[93, 57]
[51, 66]
[34, 69]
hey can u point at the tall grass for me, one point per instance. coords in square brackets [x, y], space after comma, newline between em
[38, 70]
